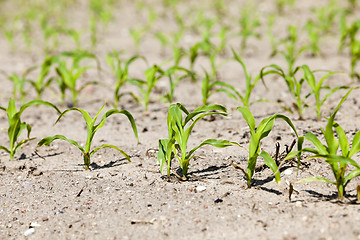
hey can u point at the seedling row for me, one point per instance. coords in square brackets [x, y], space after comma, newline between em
[63, 74]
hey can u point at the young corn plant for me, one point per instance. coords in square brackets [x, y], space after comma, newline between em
[314, 36]
[174, 78]
[92, 128]
[16, 126]
[316, 87]
[294, 86]
[281, 4]
[43, 81]
[291, 52]
[19, 82]
[350, 39]
[256, 135]
[249, 22]
[250, 82]
[152, 75]
[179, 130]
[172, 41]
[339, 163]
[210, 87]
[69, 75]
[120, 69]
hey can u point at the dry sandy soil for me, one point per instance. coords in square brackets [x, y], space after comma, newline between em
[53, 194]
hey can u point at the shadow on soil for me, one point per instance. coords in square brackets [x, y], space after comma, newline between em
[111, 164]
[209, 172]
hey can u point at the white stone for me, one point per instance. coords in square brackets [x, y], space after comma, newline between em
[200, 188]
[29, 232]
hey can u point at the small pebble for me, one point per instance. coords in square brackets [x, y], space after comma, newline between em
[29, 232]
[288, 172]
[200, 188]
[35, 224]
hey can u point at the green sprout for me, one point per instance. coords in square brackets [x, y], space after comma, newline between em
[18, 84]
[281, 4]
[173, 42]
[121, 71]
[152, 75]
[256, 135]
[92, 128]
[291, 52]
[316, 87]
[179, 130]
[350, 39]
[295, 87]
[175, 78]
[314, 36]
[16, 126]
[249, 22]
[42, 82]
[250, 82]
[338, 163]
[209, 87]
[68, 76]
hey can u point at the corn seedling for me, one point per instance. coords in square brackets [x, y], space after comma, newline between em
[250, 82]
[316, 87]
[121, 70]
[16, 126]
[100, 11]
[210, 87]
[281, 4]
[152, 75]
[137, 34]
[175, 78]
[350, 39]
[294, 86]
[9, 35]
[173, 42]
[179, 130]
[326, 17]
[249, 22]
[42, 82]
[314, 36]
[92, 128]
[270, 34]
[338, 163]
[256, 135]
[69, 75]
[18, 84]
[291, 52]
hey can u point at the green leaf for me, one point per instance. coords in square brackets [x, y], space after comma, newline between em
[5, 149]
[18, 146]
[38, 102]
[311, 137]
[354, 173]
[344, 143]
[126, 113]
[270, 162]
[213, 142]
[315, 179]
[110, 146]
[249, 118]
[355, 144]
[48, 140]
[207, 108]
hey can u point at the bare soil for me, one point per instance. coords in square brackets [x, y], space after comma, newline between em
[51, 192]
